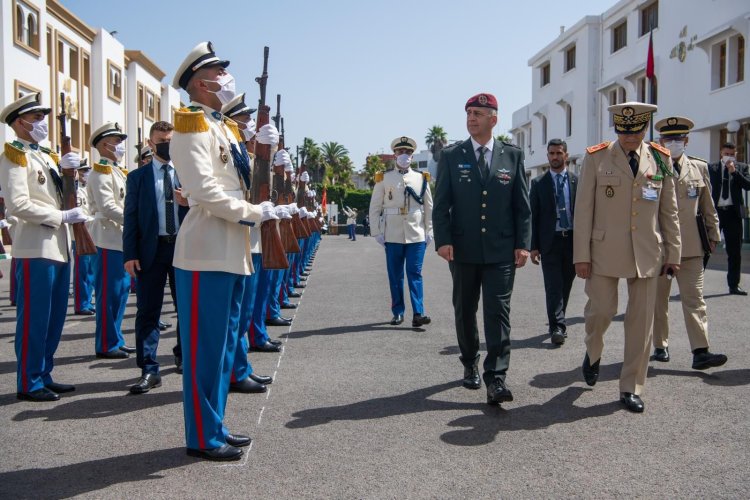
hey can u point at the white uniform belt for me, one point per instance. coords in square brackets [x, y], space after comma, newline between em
[396, 211]
[99, 215]
[237, 194]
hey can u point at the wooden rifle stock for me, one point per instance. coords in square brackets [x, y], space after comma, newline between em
[272, 248]
[6, 239]
[84, 242]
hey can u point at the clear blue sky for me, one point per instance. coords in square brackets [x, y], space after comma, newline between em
[357, 72]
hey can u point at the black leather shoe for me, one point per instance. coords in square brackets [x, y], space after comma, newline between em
[116, 354]
[661, 354]
[632, 402]
[127, 349]
[303, 278]
[262, 379]
[397, 319]
[86, 312]
[178, 364]
[223, 453]
[238, 440]
[267, 347]
[278, 322]
[246, 386]
[737, 291]
[60, 388]
[705, 360]
[471, 377]
[146, 383]
[294, 295]
[304, 273]
[590, 372]
[163, 325]
[42, 395]
[558, 336]
[300, 285]
[497, 393]
[275, 342]
[288, 305]
[420, 320]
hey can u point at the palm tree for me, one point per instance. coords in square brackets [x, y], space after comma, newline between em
[373, 165]
[311, 156]
[505, 138]
[332, 159]
[436, 140]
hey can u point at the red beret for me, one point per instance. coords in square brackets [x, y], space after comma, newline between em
[482, 101]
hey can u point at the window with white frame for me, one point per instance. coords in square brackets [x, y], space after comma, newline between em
[619, 36]
[649, 18]
[570, 58]
[544, 74]
[26, 26]
[568, 120]
[728, 62]
[543, 122]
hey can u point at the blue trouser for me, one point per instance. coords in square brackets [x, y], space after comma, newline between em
[112, 288]
[286, 279]
[301, 263]
[242, 367]
[83, 281]
[257, 331]
[274, 294]
[149, 300]
[352, 231]
[42, 301]
[208, 305]
[411, 254]
[12, 291]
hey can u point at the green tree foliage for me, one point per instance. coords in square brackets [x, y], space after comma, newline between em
[505, 138]
[436, 140]
[373, 165]
[338, 166]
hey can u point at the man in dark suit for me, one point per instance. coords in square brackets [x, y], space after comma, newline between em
[728, 179]
[552, 198]
[482, 227]
[152, 218]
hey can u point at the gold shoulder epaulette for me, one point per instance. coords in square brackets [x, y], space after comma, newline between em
[190, 122]
[660, 148]
[426, 175]
[102, 169]
[55, 156]
[593, 149]
[379, 176]
[15, 152]
[124, 171]
[234, 128]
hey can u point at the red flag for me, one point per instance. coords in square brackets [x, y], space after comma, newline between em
[324, 201]
[650, 59]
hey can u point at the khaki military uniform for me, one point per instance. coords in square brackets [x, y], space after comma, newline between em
[626, 227]
[693, 194]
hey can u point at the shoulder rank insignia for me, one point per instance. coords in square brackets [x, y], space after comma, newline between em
[190, 121]
[593, 149]
[102, 169]
[659, 148]
[379, 176]
[232, 125]
[509, 144]
[15, 152]
[55, 156]
[697, 159]
[426, 175]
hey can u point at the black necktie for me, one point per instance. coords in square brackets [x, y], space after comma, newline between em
[633, 162]
[482, 164]
[168, 202]
[561, 212]
[725, 183]
[676, 165]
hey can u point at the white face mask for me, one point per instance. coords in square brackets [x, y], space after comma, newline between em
[119, 151]
[38, 131]
[676, 148]
[726, 159]
[249, 131]
[226, 93]
[84, 176]
[403, 161]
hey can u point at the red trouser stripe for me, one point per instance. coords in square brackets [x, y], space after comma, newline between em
[105, 345]
[251, 333]
[194, 305]
[26, 320]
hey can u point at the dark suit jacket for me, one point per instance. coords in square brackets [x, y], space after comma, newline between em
[140, 235]
[483, 222]
[544, 209]
[740, 180]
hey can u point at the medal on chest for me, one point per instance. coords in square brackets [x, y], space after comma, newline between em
[223, 154]
[609, 191]
[122, 193]
[390, 193]
[41, 179]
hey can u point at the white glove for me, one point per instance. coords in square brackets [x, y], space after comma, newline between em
[320, 219]
[292, 208]
[282, 158]
[289, 168]
[4, 224]
[304, 177]
[268, 211]
[70, 160]
[74, 215]
[303, 212]
[282, 212]
[380, 239]
[268, 135]
[428, 239]
[294, 176]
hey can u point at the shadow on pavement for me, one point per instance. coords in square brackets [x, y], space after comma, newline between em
[76, 479]
[478, 430]
[723, 378]
[343, 330]
[10, 366]
[84, 409]
[564, 379]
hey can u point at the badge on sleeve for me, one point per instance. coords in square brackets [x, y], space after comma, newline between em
[41, 179]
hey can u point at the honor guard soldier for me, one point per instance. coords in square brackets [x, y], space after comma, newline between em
[106, 190]
[84, 274]
[693, 190]
[32, 189]
[212, 252]
[626, 226]
[401, 206]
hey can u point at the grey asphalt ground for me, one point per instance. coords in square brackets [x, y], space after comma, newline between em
[360, 409]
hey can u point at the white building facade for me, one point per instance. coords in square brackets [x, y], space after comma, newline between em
[700, 58]
[46, 48]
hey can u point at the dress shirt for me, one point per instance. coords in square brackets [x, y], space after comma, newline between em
[160, 199]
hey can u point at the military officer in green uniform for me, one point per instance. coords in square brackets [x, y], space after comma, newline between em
[482, 226]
